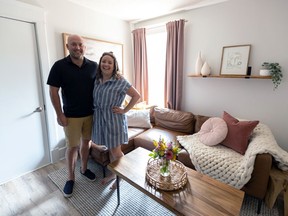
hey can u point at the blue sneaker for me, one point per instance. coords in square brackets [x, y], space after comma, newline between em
[90, 176]
[68, 188]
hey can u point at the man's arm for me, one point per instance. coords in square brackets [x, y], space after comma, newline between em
[55, 99]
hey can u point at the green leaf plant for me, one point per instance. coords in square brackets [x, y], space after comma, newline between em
[275, 71]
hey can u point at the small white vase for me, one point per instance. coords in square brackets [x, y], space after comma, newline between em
[199, 64]
[205, 70]
[265, 72]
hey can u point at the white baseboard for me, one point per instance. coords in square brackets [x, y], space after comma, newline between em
[62, 152]
[58, 154]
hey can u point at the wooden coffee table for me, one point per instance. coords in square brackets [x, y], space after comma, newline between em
[202, 194]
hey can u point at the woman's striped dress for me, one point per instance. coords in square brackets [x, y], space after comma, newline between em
[109, 129]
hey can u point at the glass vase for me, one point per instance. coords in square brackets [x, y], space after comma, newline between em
[165, 167]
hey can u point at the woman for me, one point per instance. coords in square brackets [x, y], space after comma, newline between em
[110, 123]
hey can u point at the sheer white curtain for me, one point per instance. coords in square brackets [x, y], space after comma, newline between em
[156, 53]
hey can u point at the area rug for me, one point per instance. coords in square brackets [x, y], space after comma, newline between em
[93, 198]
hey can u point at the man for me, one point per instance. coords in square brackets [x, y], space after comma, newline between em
[75, 75]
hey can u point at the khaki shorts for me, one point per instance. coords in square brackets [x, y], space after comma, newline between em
[77, 129]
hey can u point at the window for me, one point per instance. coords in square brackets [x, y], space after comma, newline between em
[156, 56]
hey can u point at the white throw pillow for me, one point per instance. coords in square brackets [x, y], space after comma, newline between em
[213, 131]
[139, 118]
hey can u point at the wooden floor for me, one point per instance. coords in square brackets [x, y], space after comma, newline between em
[35, 194]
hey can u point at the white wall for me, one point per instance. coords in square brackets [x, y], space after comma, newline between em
[261, 23]
[70, 18]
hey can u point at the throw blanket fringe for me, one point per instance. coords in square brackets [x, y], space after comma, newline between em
[228, 166]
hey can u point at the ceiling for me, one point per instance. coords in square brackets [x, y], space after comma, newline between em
[138, 10]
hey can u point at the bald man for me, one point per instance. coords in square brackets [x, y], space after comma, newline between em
[75, 76]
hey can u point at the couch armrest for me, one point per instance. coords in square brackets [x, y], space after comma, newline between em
[99, 155]
[258, 183]
[184, 158]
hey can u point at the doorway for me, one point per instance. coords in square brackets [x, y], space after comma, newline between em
[23, 134]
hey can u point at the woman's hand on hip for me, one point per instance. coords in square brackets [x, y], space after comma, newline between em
[118, 110]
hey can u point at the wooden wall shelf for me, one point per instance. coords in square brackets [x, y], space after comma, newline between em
[231, 76]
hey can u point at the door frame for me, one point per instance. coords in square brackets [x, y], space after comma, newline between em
[36, 16]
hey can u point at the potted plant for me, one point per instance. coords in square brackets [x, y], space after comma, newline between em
[275, 72]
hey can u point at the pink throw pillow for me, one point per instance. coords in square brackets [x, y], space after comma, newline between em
[213, 131]
[238, 133]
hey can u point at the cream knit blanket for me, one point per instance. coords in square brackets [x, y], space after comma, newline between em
[228, 166]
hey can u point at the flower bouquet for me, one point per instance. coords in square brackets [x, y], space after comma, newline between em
[165, 152]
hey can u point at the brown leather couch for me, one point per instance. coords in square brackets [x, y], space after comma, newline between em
[169, 124]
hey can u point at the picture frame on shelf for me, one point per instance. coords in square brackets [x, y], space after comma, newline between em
[235, 60]
[95, 48]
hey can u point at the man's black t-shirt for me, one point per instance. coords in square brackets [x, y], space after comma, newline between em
[76, 85]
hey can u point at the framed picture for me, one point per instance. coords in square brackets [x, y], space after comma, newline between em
[235, 60]
[95, 48]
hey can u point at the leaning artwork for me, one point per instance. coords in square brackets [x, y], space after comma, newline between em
[235, 60]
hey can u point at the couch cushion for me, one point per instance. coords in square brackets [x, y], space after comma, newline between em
[199, 120]
[213, 131]
[146, 138]
[174, 120]
[133, 132]
[238, 133]
[139, 118]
